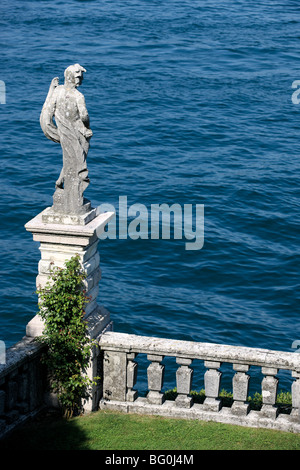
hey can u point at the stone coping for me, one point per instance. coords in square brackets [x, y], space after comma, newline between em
[203, 351]
[23, 351]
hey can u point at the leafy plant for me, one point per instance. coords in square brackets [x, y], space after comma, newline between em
[61, 306]
[283, 400]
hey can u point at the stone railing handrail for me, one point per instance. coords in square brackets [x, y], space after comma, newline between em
[120, 376]
[203, 351]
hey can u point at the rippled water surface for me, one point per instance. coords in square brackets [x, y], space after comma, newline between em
[190, 103]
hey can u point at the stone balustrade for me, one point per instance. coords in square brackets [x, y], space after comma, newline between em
[120, 372]
[23, 384]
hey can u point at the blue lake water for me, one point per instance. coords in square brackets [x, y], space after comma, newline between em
[190, 103]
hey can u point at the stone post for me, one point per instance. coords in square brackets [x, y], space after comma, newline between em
[269, 392]
[240, 385]
[114, 375]
[212, 380]
[132, 368]
[184, 376]
[62, 237]
[155, 373]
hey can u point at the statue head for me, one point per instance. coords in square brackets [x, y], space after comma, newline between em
[74, 75]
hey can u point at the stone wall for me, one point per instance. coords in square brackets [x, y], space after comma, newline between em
[23, 384]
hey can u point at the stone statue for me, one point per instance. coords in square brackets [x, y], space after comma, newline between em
[66, 105]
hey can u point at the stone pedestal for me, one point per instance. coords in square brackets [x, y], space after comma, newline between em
[60, 239]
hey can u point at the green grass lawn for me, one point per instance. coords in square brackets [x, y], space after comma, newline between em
[107, 430]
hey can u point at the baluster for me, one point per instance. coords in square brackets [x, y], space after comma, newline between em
[22, 400]
[132, 366]
[155, 373]
[269, 392]
[23, 383]
[2, 407]
[184, 376]
[32, 377]
[11, 397]
[240, 386]
[12, 391]
[296, 396]
[212, 380]
[2, 402]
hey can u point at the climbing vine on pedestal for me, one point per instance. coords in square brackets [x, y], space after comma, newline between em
[62, 307]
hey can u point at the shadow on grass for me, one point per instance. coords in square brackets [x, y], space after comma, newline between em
[47, 432]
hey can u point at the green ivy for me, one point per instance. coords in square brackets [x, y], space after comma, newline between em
[62, 307]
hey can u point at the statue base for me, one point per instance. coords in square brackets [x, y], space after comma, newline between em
[69, 205]
[51, 216]
[59, 242]
[60, 239]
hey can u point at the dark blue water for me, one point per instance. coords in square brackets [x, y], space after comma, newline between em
[190, 103]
